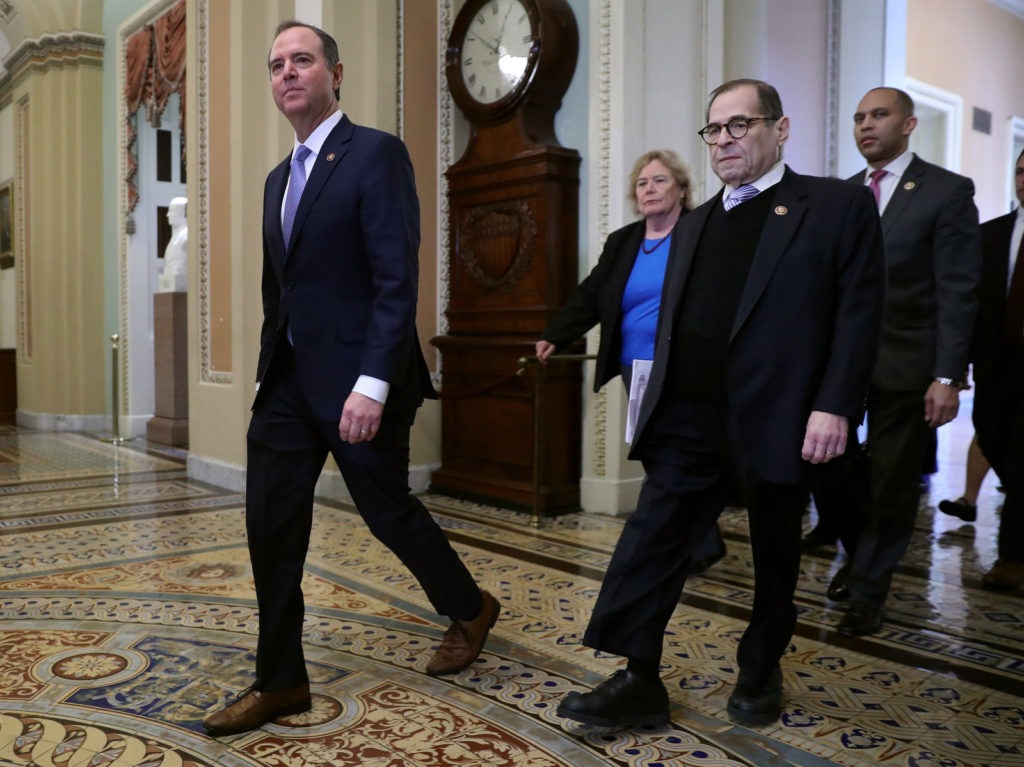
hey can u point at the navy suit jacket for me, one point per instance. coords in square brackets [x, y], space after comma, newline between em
[598, 299]
[347, 283]
[932, 253]
[806, 330]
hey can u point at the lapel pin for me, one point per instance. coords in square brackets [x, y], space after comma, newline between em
[330, 156]
[909, 185]
[781, 210]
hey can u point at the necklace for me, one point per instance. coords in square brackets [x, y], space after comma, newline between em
[645, 249]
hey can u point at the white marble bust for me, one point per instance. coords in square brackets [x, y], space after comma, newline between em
[174, 277]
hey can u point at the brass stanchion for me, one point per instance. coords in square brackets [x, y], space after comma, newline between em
[116, 438]
[538, 444]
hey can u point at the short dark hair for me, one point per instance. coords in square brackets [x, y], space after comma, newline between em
[771, 102]
[903, 100]
[327, 43]
[1020, 156]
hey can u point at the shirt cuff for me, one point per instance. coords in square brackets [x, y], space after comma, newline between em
[371, 387]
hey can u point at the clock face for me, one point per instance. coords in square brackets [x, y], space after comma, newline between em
[496, 50]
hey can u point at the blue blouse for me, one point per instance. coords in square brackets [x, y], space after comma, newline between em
[641, 300]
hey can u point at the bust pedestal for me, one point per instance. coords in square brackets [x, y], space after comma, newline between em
[169, 424]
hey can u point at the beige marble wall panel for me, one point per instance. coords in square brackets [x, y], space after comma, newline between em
[64, 346]
[421, 84]
[981, 61]
[234, 139]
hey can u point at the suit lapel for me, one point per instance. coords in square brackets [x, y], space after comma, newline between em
[629, 245]
[779, 229]
[276, 184]
[684, 244]
[332, 152]
[908, 185]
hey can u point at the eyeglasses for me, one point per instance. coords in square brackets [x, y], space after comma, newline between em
[737, 128]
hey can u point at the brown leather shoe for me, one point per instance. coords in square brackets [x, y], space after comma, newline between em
[1005, 575]
[254, 708]
[464, 640]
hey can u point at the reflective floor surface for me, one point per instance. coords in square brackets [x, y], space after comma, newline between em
[127, 613]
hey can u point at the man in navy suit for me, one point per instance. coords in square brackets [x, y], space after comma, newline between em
[340, 372]
[998, 357]
[767, 334]
[930, 228]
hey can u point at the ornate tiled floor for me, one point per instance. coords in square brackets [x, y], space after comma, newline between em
[127, 612]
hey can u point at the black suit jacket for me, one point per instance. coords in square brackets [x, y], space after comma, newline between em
[806, 330]
[347, 284]
[598, 300]
[933, 261]
[989, 343]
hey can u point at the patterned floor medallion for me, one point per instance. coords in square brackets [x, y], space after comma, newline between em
[127, 615]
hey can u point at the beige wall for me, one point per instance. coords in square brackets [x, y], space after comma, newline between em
[976, 50]
[59, 230]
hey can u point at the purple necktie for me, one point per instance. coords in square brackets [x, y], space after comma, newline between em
[740, 194]
[295, 187]
[876, 184]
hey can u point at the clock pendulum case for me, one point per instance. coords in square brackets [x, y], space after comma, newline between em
[513, 259]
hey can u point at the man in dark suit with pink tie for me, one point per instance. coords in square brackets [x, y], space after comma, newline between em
[930, 227]
[340, 372]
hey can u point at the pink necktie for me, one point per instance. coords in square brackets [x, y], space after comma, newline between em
[876, 184]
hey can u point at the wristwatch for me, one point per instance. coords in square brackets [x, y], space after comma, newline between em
[950, 382]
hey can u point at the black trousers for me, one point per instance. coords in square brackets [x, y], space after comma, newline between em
[999, 423]
[840, 492]
[690, 476]
[287, 449]
[713, 544]
[897, 441]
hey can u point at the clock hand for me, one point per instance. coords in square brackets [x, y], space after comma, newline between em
[501, 32]
[492, 47]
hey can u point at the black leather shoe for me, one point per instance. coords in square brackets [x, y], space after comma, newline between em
[755, 701]
[624, 700]
[861, 619]
[960, 508]
[838, 589]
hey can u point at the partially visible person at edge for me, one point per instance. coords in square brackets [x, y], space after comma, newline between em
[768, 330]
[623, 292]
[340, 372]
[933, 263]
[998, 358]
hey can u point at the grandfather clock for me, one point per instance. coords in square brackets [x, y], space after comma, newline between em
[513, 207]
